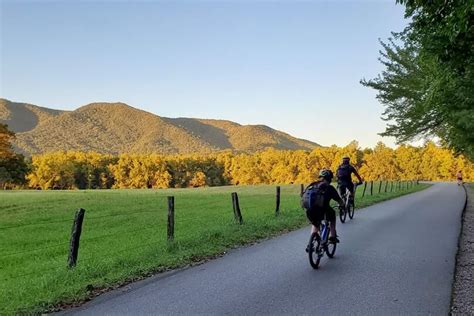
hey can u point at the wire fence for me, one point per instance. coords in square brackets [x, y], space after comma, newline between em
[159, 222]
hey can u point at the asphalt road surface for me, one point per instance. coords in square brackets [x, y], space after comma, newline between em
[396, 257]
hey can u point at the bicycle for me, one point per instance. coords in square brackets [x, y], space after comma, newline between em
[320, 244]
[349, 204]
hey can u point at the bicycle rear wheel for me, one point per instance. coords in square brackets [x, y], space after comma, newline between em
[315, 250]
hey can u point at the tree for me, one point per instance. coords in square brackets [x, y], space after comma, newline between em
[6, 138]
[380, 164]
[198, 180]
[13, 168]
[408, 159]
[426, 86]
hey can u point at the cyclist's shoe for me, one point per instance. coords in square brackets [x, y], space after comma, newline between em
[307, 248]
[334, 240]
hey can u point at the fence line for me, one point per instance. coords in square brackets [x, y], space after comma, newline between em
[74, 243]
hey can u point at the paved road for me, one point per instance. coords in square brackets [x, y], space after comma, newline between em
[396, 257]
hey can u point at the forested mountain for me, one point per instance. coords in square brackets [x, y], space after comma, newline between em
[119, 128]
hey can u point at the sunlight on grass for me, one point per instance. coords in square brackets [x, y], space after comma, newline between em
[124, 235]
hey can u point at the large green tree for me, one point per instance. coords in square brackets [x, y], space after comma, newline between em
[428, 80]
[13, 168]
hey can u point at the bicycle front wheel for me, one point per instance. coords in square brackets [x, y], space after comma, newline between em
[330, 248]
[343, 214]
[314, 250]
[351, 210]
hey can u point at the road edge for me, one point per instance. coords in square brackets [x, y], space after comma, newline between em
[462, 300]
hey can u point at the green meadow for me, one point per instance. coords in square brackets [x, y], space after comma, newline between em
[124, 236]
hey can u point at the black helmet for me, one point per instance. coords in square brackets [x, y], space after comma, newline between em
[326, 174]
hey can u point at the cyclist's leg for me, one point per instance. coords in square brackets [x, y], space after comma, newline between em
[350, 187]
[342, 188]
[315, 217]
[331, 217]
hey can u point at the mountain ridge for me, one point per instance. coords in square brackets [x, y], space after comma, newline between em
[120, 128]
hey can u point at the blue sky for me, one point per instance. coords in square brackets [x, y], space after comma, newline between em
[292, 65]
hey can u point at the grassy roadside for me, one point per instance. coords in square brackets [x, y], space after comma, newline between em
[124, 236]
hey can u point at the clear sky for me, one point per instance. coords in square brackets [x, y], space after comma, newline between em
[292, 65]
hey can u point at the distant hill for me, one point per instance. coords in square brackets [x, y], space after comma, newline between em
[117, 128]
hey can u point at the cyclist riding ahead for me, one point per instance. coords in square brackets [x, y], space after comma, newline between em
[316, 200]
[344, 176]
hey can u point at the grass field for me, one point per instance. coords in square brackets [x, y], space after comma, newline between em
[124, 236]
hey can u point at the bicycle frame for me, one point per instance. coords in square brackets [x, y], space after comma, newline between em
[348, 192]
[324, 231]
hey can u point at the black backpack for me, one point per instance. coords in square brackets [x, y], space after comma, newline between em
[344, 172]
[314, 195]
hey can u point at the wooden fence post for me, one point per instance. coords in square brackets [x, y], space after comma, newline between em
[236, 206]
[365, 187]
[371, 187]
[170, 218]
[301, 189]
[75, 238]
[380, 186]
[277, 209]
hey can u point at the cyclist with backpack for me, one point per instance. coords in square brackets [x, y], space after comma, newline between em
[344, 176]
[316, 200]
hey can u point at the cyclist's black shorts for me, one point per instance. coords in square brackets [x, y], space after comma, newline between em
[315, 216]
[344, 185]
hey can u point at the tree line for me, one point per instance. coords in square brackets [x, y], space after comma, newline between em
[91, 170]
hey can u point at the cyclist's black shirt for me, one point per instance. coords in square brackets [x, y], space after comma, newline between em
[348, 178]
[315, 216]
[330, 194]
